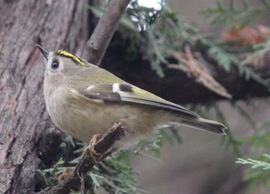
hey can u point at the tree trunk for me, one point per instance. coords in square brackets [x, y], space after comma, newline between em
[23, 119]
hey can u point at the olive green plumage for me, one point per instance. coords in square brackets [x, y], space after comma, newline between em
[83, 99]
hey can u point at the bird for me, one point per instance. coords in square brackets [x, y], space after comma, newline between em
[83, 99]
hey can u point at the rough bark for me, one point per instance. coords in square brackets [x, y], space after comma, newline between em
[23, 119]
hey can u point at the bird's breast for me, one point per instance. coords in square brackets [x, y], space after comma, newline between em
[83, 118]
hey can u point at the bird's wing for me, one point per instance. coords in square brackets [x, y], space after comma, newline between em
[127, 93]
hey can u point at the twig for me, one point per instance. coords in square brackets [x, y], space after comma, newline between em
[194, 68]
[98, 42]
[98, 149]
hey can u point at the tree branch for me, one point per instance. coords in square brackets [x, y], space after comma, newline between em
[98, 149]
[101, 37]
[182, 88]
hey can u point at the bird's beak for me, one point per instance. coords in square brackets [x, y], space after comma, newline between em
[43, 51]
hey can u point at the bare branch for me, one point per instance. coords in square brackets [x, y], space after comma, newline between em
[183, 89]
[98, 149]
[98, 43]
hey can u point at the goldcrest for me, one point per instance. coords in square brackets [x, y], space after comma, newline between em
[83, 99]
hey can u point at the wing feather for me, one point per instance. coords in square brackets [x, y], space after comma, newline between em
[126, 93]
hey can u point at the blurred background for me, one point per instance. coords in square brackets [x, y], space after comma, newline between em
[201, 164]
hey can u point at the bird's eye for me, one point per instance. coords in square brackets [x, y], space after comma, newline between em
[55, 64]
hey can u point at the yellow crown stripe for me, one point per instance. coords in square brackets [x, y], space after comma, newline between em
[73, 57]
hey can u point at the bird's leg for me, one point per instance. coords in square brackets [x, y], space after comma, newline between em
[90, 150]
[97, 150]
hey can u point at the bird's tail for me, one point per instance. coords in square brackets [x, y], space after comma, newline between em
[204, 124]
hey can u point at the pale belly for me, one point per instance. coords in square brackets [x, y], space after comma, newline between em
[83, 122]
